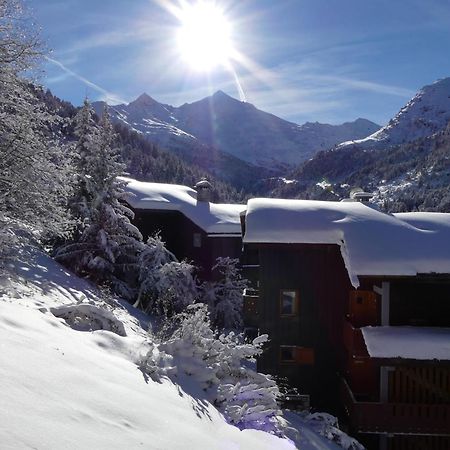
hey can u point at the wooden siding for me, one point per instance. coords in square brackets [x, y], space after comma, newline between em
[318, 273]
[429, 385]
[418, 443]
[250, 309]
[177, 231]
[415, 301]
[395, 418]
[404, 442]
[420, 303]
[363, 308]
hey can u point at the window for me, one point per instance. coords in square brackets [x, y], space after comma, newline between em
[302, 356]
[289, 300]
[197, 240]
[287, 353]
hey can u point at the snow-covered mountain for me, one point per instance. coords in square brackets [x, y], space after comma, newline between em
[427, 113]
[235, 128]
[405, 164]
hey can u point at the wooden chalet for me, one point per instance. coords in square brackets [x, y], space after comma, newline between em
[192, 227]
[357, 306]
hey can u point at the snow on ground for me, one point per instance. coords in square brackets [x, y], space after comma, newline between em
[286, 181]
[70, 378]
[408, 342]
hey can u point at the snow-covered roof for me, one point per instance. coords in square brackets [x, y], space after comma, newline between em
[408, 342]
[371, 242]
[210, 217]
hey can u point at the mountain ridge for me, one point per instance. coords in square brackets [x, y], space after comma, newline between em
[405, 164]
[426, 113]
[233, 127]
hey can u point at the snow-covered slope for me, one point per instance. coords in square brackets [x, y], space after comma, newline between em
[405, 177]
[408, 171]
[234, 127]
[427, 113]
[148, 116]
[69, 375]
[157, 123]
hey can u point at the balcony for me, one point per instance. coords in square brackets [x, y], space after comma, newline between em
[400, 418]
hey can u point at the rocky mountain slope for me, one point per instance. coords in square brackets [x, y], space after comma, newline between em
[427, 113]
[406, 164]
[147, 161]
[231, 127]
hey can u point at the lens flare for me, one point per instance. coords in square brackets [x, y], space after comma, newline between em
[204, 36]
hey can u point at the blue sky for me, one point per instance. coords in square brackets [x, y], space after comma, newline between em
[307, 60]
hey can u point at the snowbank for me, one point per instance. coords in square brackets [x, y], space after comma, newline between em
[371, 242]
[210, 217]
[69, 375]
[408, 342]
[63, 388]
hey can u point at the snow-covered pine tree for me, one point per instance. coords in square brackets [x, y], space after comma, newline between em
[108, 248]
[86, 146]
[247, 399]
[225, 296]
[166, 286]
[33, 174]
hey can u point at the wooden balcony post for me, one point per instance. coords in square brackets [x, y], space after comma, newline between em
[384, 383]
[385, 292]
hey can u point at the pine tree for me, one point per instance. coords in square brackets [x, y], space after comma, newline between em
[247, 399]
[86, 146]
[225, 296]
[166, 286]
[108, 248]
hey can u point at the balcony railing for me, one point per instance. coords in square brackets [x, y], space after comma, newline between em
[374, 417]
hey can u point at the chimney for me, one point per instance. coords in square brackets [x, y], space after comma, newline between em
[204, 190]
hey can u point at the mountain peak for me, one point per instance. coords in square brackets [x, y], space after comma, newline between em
[440, 86]
[144, 99]
[425, 114]
[442, 82]
[220, 95]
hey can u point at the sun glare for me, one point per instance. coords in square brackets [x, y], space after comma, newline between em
[204, 36]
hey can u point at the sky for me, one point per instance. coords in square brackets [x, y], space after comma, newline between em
[329, 61]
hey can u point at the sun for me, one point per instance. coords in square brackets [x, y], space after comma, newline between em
[204, 36]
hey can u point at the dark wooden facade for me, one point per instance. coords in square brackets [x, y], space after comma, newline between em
[320, 346]
[186, 240]
[395, 395]
[316, 326]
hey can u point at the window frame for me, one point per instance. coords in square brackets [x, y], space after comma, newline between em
[197, 240]
[294, 354]
[301, 356]
[296, 303]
